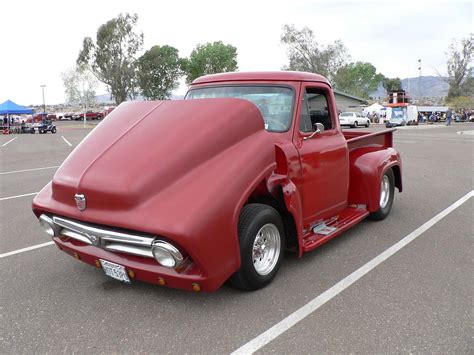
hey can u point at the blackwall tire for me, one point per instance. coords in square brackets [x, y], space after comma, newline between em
[387, 191]
[261, 239]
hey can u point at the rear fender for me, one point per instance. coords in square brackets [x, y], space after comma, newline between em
[367, 166]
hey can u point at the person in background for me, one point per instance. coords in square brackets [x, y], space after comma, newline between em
[432, 117]
[420, 117]
[449, 116]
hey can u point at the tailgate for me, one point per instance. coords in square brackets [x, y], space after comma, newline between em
[382, 139]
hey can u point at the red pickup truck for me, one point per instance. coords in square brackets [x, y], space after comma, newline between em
[90, 115]
[195, 192]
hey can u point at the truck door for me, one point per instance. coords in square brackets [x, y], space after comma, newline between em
[324, 156]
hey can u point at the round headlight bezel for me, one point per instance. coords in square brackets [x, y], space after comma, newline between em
[48, 225]
[166, 254]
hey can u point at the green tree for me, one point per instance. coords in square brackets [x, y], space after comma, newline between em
[112, 56]
[305, 54]
[460, 67]
[358, 79]
[158, 72]
[461, 102]
[392, 84]
[210, 58]
[79, 86]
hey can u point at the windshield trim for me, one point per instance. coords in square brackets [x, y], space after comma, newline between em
[223, 85]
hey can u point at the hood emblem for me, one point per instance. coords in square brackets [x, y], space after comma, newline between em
[80, 201]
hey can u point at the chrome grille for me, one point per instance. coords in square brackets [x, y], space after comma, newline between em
[110, 240]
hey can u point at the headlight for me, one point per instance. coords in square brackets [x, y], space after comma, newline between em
[48, 226]
[166, 254]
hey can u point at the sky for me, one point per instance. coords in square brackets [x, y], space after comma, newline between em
[41, 39]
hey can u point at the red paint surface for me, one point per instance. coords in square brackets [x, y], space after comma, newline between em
[182, 170]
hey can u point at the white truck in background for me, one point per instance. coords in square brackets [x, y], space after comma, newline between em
[401, 115]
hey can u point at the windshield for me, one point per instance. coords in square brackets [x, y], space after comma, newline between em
[274, 103]
[346, 114]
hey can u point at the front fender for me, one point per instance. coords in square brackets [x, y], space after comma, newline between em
[367, 166]
[288, 164]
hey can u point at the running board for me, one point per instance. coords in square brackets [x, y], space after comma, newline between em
[326, 230]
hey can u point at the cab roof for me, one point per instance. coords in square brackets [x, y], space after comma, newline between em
[260, 76]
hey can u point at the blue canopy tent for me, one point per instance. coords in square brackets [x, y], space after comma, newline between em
[11, 108]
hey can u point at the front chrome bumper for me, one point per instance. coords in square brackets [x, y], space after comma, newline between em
[107, 239]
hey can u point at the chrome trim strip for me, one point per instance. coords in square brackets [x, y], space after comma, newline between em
[129, 250]
[74, 235]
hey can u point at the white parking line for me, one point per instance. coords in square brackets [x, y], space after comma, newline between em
[67, 142]
[18, 251]
[281, 327]
[11, 140]
[471, 132]
[429, 138]
[34, 169]
[12, 197]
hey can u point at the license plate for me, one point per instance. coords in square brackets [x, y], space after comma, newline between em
[115, 271]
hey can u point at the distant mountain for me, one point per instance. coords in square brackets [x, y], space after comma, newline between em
[104, 99]
[426, 86]
[422, 87]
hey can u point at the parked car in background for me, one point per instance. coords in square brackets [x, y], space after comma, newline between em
[90, 115]
[395, 122]
[108, 110]
[62, 116]
[353, 119]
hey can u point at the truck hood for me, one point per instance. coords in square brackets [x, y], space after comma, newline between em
[142, 149]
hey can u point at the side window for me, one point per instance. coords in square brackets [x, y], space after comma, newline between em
[305, 120]
[318, 105]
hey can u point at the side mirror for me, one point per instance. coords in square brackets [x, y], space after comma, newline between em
[319, 127]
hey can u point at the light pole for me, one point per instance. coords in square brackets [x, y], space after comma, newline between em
[419, 78]
[44, 105]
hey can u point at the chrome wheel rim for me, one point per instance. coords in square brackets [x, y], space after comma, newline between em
[384, 191]
[266, 249]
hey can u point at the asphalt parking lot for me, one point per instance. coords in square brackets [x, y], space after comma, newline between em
[418, 300]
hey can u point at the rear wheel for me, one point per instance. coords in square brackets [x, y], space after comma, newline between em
[355, 124]
[261, 238]
[387, 190]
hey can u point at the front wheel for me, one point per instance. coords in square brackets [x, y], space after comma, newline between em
[387, 190]
[53, 130]
[367, 124]
[261, 238]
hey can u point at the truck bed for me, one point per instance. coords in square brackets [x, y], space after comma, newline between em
[383, 139]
